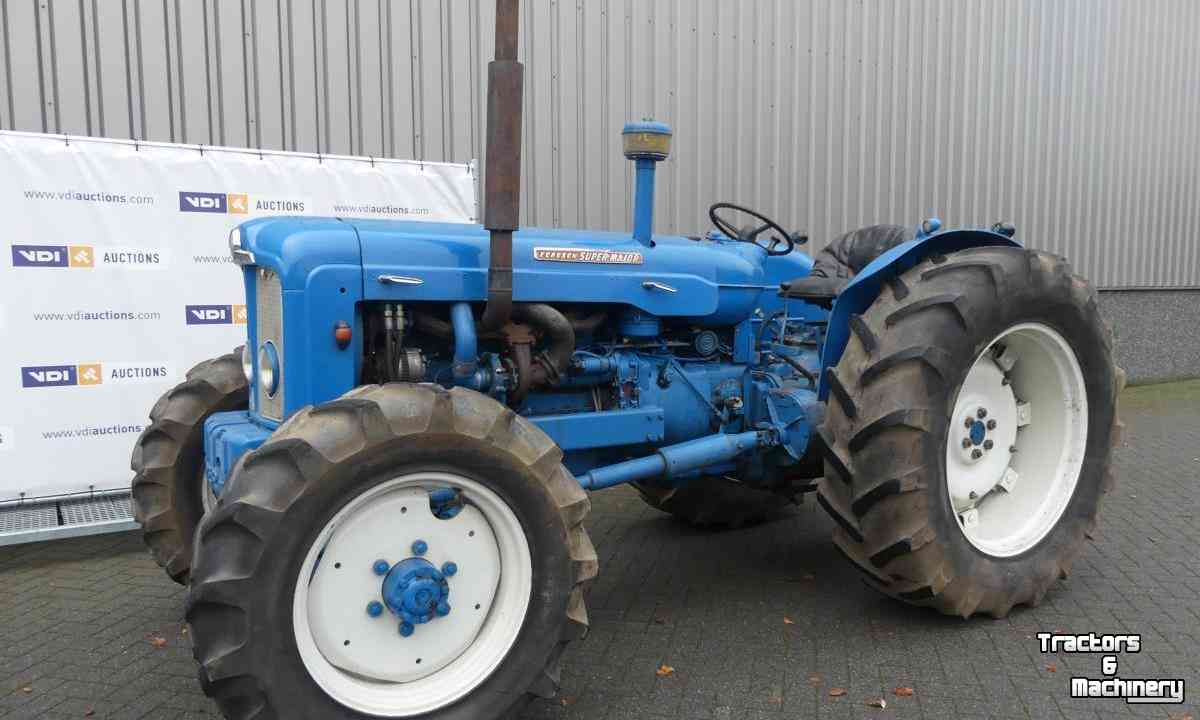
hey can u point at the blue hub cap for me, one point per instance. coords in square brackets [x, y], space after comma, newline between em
[416, 591]
[978, 431]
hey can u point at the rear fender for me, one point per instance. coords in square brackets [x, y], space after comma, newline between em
[865, 286]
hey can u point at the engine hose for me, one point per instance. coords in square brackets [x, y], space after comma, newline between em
[432, 325]
[559, 337]
[589, 323]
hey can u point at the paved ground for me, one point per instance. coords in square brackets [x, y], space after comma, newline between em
[760, 623]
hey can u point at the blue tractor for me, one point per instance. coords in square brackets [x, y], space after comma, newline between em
[379, 502]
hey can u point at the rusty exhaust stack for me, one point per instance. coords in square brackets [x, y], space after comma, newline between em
[502, 178]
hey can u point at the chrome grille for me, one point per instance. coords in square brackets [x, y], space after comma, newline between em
[268, 295]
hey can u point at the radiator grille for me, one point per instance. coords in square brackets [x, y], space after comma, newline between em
[268, 294]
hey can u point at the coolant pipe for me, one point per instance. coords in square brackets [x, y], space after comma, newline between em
[466, 346]
[675, 460]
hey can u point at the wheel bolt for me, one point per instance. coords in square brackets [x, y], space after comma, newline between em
[443, 608]
[380, 567]
[406, 629]
[991, 424]
[420, 547]
[374, 608]
[976, 454]
[981, 412]
[969, 422]
[449, 569]
[987, 444]
[966, 443]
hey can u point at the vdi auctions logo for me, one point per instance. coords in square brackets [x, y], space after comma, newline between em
[215, 314]
[61, 375]
[42, 376]
[209, 202]
[74, 256]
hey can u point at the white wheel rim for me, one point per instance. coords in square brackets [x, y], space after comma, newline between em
[363, 662]
[1017, 440]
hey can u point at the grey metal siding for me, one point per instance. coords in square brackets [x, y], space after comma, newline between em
[1075, 119]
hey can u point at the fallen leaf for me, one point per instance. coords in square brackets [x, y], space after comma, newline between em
[27, 689]
[1051, 668]
[877, 703]
[567, 700]
[903, 692]
[788, 621]
[89, 712]
[837, 692]
[158, 641]
[664, 670]
[814, 679]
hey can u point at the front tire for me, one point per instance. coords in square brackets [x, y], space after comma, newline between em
[969, 430]
[169, 488]
[282, 563]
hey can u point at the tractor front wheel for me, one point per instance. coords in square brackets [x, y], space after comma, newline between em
[404, 551]
[170, 494]
[969, 430]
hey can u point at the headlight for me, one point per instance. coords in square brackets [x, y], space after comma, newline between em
[240, 255]
[247, 364]
[268, 368]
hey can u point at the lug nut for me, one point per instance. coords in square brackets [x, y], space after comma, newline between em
[991, 424]
[987, 444]
[380, 567]
[406, 629]
[443, 608]
[449, 569]
[966, 443]
[976, 454]
[969, 422]
[420, 547]
[374, 608]
[981, 412]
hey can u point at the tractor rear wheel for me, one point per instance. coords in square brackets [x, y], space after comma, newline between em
[404, 551]
[170, 494]
[969, 430]
[717, 502]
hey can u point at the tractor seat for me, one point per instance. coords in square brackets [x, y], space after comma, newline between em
[839, 261]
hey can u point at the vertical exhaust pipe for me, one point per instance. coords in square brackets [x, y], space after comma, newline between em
[502, 176]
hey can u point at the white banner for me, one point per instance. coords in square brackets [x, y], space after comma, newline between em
[118, 279]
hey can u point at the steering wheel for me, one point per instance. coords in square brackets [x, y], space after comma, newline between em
[751, 236]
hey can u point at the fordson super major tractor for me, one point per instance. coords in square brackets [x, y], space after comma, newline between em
[379, 502]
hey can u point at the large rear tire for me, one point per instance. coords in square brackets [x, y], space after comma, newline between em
[168, 460]
[969, 430]
[286, 608]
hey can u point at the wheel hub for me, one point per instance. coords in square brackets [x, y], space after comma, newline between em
[416, 591]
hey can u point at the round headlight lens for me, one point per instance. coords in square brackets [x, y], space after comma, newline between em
[247, 364]
[268, 368]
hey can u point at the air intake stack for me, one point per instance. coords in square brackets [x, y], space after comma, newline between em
[646, 143]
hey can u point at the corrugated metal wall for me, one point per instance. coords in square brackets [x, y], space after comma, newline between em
[1075, 119]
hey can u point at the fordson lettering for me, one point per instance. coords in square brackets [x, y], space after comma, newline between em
[578, 255]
